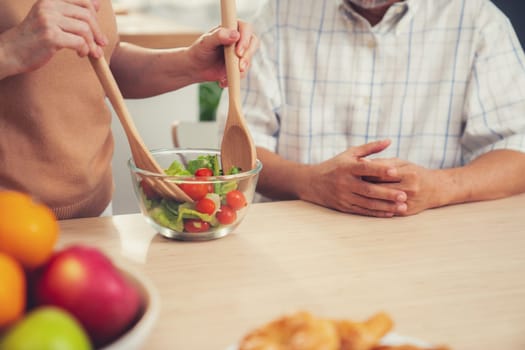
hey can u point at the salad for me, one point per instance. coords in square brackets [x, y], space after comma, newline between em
[214, 204]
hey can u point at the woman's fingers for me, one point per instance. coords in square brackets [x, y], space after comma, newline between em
[246, 59]
[83, 22]
[82, 37]
[246, 46]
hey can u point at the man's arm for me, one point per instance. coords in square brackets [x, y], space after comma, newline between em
[494, 175]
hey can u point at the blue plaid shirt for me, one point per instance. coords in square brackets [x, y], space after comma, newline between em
[443, 79]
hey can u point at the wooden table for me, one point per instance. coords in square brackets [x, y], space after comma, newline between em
[454, 275]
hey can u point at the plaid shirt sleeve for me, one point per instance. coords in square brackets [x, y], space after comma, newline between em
[495, 99]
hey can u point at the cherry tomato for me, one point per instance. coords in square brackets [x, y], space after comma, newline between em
[203, 172]
[148, 190]
[235, 199]
[226, 215]
[205, 205]
[196, 225]
[196, 191]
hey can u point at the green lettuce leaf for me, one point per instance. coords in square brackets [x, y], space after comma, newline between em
[176, 168]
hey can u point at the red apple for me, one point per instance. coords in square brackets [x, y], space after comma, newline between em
[83, 281]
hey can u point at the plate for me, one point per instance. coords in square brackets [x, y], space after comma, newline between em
[397, 339]
[389, 339]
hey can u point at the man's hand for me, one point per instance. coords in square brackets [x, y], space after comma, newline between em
[207, 53]
[338, 183]
[49, 26]
[422, 186]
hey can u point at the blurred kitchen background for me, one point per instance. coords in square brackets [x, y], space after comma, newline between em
[158, 24]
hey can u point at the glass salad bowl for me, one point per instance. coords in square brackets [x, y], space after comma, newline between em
[219, 201]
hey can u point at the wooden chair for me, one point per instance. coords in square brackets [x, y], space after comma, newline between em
[186, 134]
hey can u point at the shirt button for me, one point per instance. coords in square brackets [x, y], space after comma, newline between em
[371, 44]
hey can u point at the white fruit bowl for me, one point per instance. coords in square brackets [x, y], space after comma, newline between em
[136, 337]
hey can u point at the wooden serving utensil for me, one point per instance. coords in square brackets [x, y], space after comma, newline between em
[237, 147]
[141, 155]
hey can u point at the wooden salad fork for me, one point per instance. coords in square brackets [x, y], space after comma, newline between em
[141, 155]
[237, 147]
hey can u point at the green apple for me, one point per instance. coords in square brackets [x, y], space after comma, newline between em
[46, 328]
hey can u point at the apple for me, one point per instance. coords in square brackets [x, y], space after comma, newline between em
[46, 328]
[84, 281]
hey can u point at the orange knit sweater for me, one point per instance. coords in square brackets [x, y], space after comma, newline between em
[55, 128]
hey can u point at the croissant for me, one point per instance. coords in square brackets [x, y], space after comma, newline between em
[303, 331]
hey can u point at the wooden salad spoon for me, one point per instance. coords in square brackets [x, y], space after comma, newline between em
[237, 147]
[141, 155]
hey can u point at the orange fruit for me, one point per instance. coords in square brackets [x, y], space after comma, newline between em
[28, 229]
[12, 290]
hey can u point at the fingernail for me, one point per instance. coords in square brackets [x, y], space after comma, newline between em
[240, 52]
[402, 207]
[244, 64]
[234, 34]
[401, 197]
[106, 40]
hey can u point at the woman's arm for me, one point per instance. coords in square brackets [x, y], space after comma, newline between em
[142, 72]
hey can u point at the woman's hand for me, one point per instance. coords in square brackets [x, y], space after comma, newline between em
[207, 53]
[49, 26]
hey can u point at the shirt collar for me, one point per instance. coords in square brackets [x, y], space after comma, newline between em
[398, 14]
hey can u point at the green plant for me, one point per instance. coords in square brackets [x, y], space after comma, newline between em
[209, 97]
